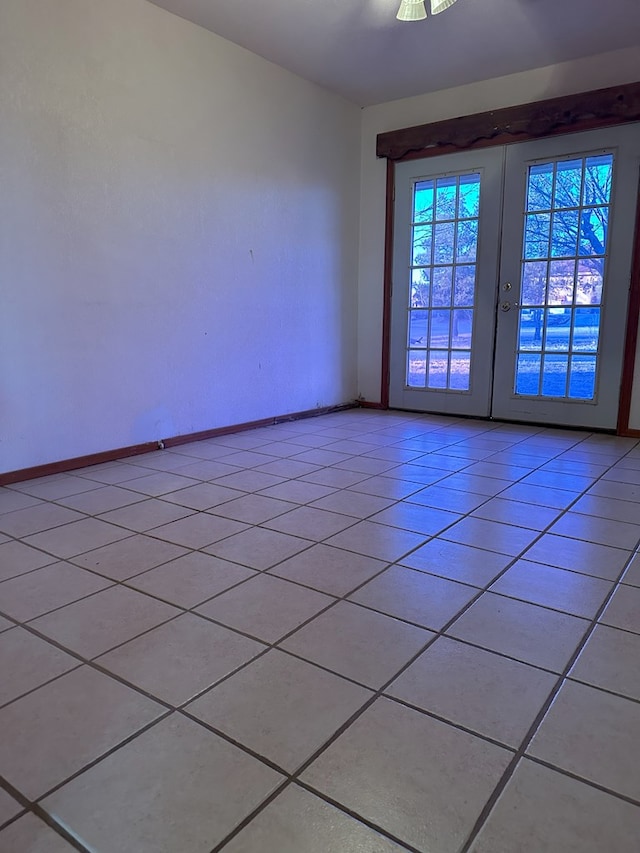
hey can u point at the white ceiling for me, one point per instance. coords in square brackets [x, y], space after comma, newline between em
[358, 49]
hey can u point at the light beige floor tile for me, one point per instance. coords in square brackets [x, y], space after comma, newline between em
[204, 469]
[205, 449]
[101, 499]
[58, 729]
[610, 660]
[146, 515]
[191, 579]
[631, 576]
[199, 530]
[499, 471]
[112, 473]
[176, 787]
[558, 480]
[298, 491]
[26, 662]
[33, 519]
[337, 478]
[328, 569]
[129, 557]
[604, 531]
[10, 500]
[602, 507]
[253, 509]
[159, 483]
[295, 707]
[181, 658]
[419, 519]
[515, 512]
[457, 562]
[539, 495]
[377, 540]
[249, 481]
[249, 459]
[35, 593]
[586, 557]
[366, 465]
[623, 475]
[285, 449]
[594, 735]
[318, 456]
[310, 523]
[427, 600]
[54, 487]
[620, 491]
[248, 440]
[542, 811]
[353, 503]
[5, 624]
[415, 474]
[16, 559]
[32, 835]
[523, 631]
[259, 548]
[368, 647]
[452, 500]
[487, 486]
[548, 586]
[503, 538]
[8, 808]
[265, 607]
[298, 821]
[386, 487]
[623, 611]
[77, 537]
[203, 496]
[96, 624]
[488, 693]
[404, 772]
[166, 462]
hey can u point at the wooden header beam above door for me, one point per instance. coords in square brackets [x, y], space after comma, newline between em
[568, 114]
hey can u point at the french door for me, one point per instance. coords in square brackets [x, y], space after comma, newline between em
[511, 275]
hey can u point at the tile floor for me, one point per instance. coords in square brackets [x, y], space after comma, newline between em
[368, 631]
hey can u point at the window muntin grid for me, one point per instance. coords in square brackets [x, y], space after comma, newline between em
[562, 275]
[442, 292]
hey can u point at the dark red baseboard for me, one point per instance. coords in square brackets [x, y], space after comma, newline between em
[136, 449]
[365, 404]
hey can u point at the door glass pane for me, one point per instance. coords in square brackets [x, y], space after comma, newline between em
[444, 240]
[416, 368]
[438, 369]
[528, 369]
[554, 375]
[536, 235]
[586, 329]
[460, 370]
[564, 256]
[582, 380]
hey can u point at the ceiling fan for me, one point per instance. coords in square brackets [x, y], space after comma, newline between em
[414, 10]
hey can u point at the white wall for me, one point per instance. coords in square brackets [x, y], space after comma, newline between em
[579, 76]
[178, 232]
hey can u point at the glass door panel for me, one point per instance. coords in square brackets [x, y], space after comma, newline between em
[565, 265]
[445, 269]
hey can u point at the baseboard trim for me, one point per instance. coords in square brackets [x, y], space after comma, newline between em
[63, 465]
[629, 433]
[60, 467]
[177, 440]
[365, 404]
